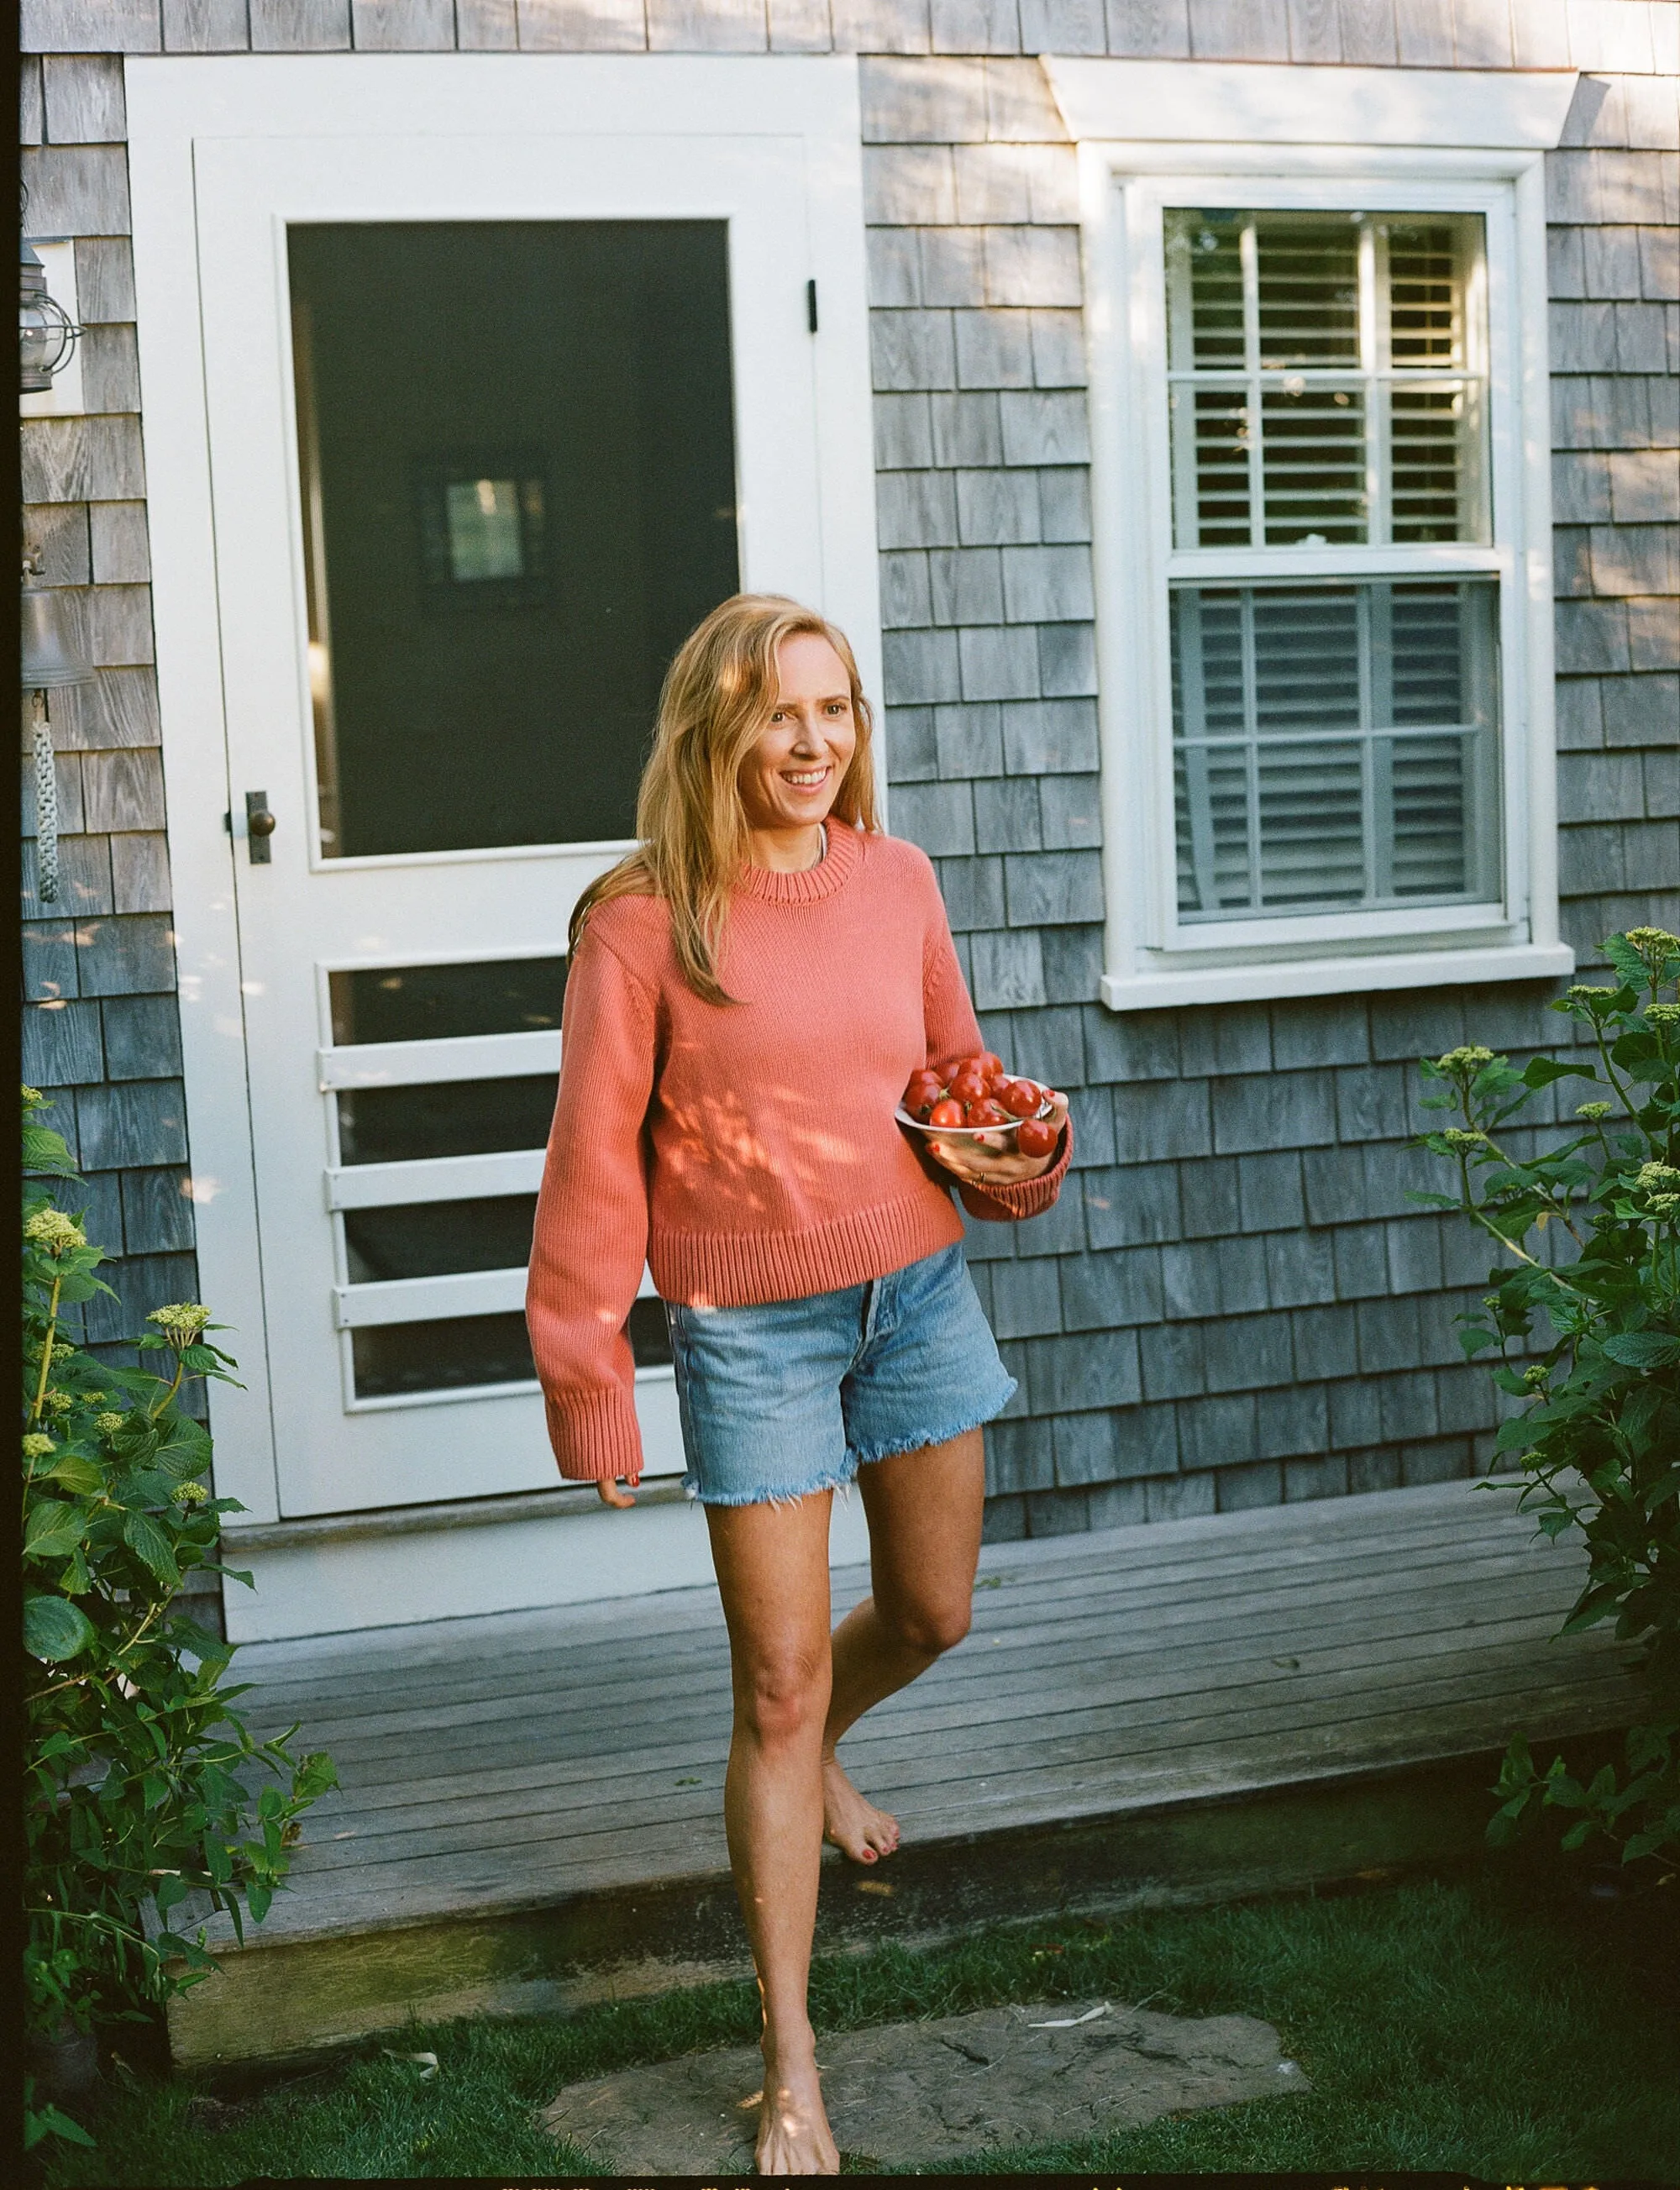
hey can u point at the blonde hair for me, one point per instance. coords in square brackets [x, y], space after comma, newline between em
[718, 695]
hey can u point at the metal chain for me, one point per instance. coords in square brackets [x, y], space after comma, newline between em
[46, 802]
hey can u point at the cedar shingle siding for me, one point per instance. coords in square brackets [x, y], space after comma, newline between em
[1234, 1304]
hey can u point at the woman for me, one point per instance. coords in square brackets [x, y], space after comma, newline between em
[749, 992]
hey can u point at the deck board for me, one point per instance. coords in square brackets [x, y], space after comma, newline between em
[1137, 1667]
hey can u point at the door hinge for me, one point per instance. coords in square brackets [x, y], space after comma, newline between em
[811, 306]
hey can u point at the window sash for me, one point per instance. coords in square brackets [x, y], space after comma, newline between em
[1374, 788]
[1361, 431]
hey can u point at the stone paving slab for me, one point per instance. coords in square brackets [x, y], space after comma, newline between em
[920, 2093]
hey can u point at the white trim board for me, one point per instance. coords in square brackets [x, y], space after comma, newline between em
[324, 1585]
[1259, 103]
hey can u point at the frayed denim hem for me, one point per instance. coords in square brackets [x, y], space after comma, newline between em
[939, 1436]
[842, 1483]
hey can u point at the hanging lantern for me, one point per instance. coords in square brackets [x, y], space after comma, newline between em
[46, 332]
[51, 663]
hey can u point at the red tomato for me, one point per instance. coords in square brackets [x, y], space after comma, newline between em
[946, 1114]
[1020, 1098]
[985, 1113]
[923, 1088]
[1035, 1136]
[968, 1087]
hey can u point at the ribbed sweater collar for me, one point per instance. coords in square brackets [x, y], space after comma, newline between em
[832, 872]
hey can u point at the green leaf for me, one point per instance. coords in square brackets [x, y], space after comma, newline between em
[1643, 1349]
[148, 1542]
[1542, 1071]
[234, 1574]
[1641, 1844]
[45, 1150]
[172, 1942]
[55, 1630]
[75, 1472]
[39, 2122]
[184, 1449]
[315, 1775]
[52, 1531]
[1633, 969]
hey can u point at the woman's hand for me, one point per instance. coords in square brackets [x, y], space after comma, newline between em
[992, 1160]
[612, 1493]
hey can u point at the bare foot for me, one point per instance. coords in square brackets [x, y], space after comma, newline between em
[794, 2137]
[854, 1826]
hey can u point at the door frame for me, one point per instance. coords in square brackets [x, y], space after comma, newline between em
[171, 103]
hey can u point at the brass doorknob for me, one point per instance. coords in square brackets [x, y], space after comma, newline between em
[260, 825]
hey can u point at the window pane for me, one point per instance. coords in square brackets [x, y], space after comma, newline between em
[1305, 643]
[1425, 294]
[431, 1003]
[1215, 489]
[1309, 273]
[397, 1361]
[1326, 367]
[448, 1118]
[1435, 441]
[1311, 802]
[519, 494]
[1335, 745]
[438, 1239]
[1207, 328]
[1314, 465]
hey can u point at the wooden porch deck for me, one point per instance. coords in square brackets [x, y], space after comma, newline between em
[531, 1808]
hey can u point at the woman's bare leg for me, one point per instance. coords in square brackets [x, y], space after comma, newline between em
[772, 1563]
[925, 1509]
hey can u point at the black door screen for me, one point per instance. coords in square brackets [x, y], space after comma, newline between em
[519, 492]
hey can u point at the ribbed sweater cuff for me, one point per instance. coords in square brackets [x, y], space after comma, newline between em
[1030, 1198]
[595, 1435]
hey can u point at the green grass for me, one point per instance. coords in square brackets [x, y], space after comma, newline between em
[1499, 2024]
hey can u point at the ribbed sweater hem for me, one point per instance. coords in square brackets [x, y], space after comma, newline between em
[595, 1434]
[746, 1269]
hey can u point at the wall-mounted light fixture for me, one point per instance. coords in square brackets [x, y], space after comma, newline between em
[46, 332]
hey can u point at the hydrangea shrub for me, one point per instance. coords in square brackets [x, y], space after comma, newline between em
[140, 1778]
[1584, 1312]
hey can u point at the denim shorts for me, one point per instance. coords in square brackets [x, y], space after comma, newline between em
[793, 1397]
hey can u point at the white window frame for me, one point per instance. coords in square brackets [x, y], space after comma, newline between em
[1430, 142]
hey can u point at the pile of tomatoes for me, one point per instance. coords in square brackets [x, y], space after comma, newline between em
[981, 1094]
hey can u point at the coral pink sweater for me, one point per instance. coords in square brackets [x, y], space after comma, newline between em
[748, 1152]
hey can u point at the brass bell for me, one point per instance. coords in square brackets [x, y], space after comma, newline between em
[51, 660]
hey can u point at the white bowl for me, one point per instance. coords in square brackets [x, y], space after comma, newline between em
[964, 1132]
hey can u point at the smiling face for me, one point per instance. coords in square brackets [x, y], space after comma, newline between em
[789, 780]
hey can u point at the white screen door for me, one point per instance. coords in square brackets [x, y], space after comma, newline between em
[492, 419]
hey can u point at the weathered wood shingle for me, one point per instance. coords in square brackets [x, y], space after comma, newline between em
[89, 27]
[206, 26]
